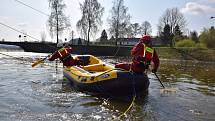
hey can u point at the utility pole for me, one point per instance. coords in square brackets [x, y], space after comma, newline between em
[57, 21]
[72, 36]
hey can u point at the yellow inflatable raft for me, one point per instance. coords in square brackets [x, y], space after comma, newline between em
[98, 78]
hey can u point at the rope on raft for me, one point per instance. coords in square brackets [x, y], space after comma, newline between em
[134, 97]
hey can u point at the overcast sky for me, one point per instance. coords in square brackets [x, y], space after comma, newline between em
[22, 18]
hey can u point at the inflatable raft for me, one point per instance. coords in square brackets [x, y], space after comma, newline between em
[98, 78]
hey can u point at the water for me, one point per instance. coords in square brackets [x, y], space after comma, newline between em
[41, 93]
[4, 47]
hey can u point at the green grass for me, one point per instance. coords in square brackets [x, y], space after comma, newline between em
[190, 53]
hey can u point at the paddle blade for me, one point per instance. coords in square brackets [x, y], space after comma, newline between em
[37, 62]
[168, 90]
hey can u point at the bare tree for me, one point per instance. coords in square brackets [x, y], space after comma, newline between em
[119, 19]
[129, 32]
[146, 28]
[92, 12]
[172, 17]
[57, 21]
[133, 30]
[82, 28]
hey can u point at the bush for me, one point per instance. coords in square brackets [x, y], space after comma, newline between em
[201, 45]
[185, 43]
[208, 37]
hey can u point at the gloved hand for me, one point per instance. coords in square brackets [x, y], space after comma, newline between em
[49, 57]
[142, 64]
[154, 70]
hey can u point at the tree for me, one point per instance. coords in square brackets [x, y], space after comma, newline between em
[173, 18]
[82, 28]
[194, 36]
[128, 31]
[177, 35]
[177, 31]
[207, 37]
[166, 35]
[146, 28]
[92, 12]
[133, 30]
[212, 28]
[57, 21]
[119, 19]
[103, 36]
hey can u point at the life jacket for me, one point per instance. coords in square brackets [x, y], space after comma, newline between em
[147, 56]
[64, 54]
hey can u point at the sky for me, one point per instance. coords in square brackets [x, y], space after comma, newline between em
[24, 19]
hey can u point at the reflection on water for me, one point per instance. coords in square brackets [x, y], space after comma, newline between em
[197, 75]
[42, 93]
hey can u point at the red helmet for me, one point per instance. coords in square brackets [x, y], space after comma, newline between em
[145, 38]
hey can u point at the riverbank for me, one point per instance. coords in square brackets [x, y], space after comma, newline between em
[186, 53]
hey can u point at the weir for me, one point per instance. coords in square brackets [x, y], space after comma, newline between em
[7, 48]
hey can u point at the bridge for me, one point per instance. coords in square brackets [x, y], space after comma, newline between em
[97, 50]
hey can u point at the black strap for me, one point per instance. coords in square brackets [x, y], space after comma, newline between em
[66, 58]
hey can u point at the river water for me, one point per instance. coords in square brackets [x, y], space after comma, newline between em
[42, 94]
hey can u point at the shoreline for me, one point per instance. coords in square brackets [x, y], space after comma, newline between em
[194, 54]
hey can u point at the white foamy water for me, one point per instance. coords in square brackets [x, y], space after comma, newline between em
[4, 47]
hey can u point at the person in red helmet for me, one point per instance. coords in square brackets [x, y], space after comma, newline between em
[142, 56]
[64, 54]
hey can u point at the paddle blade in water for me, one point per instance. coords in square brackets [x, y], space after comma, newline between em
[168, 90]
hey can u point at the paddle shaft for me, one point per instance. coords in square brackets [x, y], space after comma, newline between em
[159, 80]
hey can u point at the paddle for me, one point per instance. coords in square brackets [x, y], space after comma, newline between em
[159, 79]
[39, 61]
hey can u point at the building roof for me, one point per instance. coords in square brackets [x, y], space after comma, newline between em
[128, 39]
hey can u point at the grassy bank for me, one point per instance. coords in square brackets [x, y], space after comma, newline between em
[186, 53]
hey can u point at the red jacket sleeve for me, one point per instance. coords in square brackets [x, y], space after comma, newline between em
[156, 60]
[54, 56]
[137, 49]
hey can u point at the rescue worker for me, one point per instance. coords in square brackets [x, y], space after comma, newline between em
[64, 54]
[142, 56]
